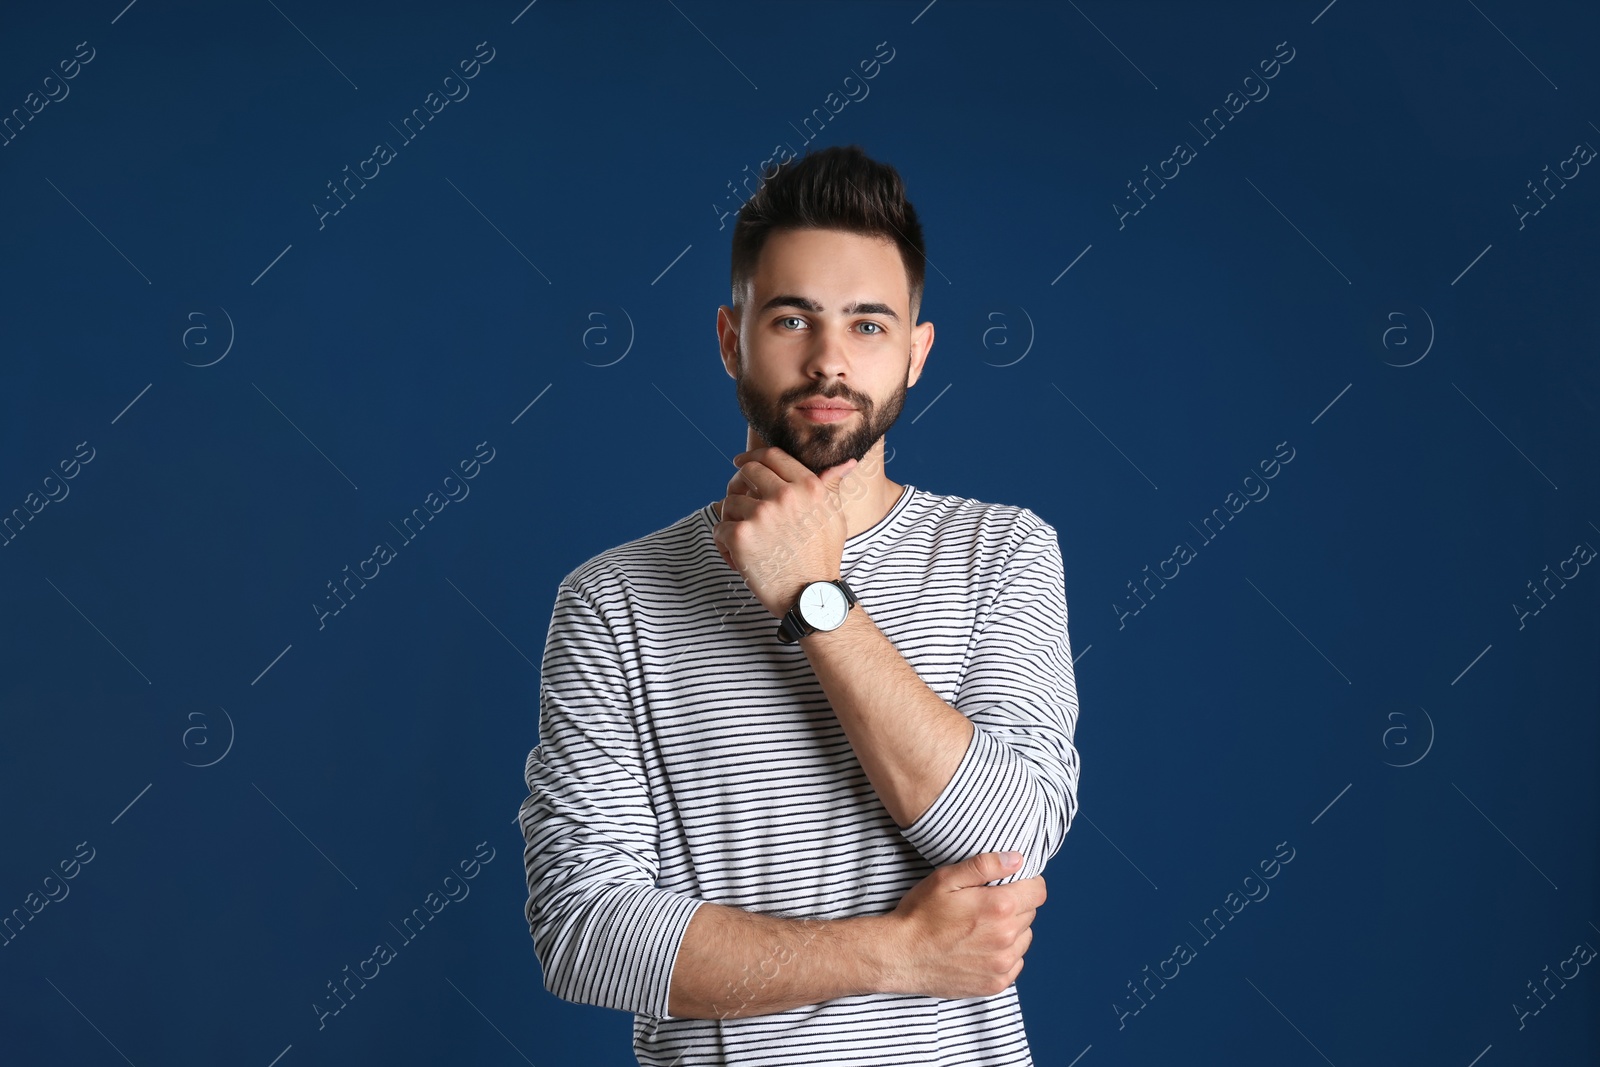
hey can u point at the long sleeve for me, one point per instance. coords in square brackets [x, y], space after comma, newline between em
[603, 932]
[1017, 785]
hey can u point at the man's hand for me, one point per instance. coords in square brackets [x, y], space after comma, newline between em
[954, 936]
[782, 526]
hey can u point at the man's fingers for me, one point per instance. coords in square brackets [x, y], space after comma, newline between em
[756, 475]
[1026, 894]
[737, 507]
[786, 467]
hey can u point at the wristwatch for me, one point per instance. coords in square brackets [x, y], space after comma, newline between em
[822, 606]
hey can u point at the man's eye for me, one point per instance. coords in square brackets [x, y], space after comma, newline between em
[790, 318]
[876, 327]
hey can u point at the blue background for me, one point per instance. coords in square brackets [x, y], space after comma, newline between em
[266, 389]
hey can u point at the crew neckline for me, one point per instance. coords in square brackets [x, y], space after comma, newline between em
[854, 541]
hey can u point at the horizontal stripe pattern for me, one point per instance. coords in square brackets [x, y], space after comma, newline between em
[686, 755]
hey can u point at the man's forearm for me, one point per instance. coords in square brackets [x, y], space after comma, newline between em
[733, 963]
[908, 740]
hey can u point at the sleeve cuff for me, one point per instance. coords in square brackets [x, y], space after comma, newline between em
[621, 954]
[987, 806]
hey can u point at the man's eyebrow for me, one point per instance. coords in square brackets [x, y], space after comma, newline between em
[807, 304]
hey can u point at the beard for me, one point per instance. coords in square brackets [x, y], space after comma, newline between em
[818, 445]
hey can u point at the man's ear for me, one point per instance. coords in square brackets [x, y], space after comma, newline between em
[921, 343]
[728, 339]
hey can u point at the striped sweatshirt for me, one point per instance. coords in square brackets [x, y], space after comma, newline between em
[686, 755]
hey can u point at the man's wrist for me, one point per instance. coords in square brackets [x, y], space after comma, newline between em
[882, 953]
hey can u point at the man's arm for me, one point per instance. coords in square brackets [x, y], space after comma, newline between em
[733, 963]
[602, 930]
[908, 740]
[950, 936]
[1002, 775]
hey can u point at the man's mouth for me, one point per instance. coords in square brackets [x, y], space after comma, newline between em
[829, 412]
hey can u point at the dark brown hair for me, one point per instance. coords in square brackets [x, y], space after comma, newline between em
[834, 188]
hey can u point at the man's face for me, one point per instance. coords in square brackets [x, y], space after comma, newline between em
[828, 318]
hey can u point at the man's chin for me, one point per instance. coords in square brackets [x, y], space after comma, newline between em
[832, 460]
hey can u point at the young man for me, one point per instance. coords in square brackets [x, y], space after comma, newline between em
[786, 741]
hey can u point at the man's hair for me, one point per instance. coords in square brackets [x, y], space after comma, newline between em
[834, 188]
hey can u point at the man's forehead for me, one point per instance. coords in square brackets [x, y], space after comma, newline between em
[791, 280]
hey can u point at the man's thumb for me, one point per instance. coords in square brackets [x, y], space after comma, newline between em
[988, 866]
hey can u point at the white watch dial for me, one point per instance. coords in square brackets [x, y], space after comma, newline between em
[823, 606]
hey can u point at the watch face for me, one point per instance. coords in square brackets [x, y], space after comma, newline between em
[822, 605]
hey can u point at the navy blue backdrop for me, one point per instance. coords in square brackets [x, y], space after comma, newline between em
[1282, 314]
